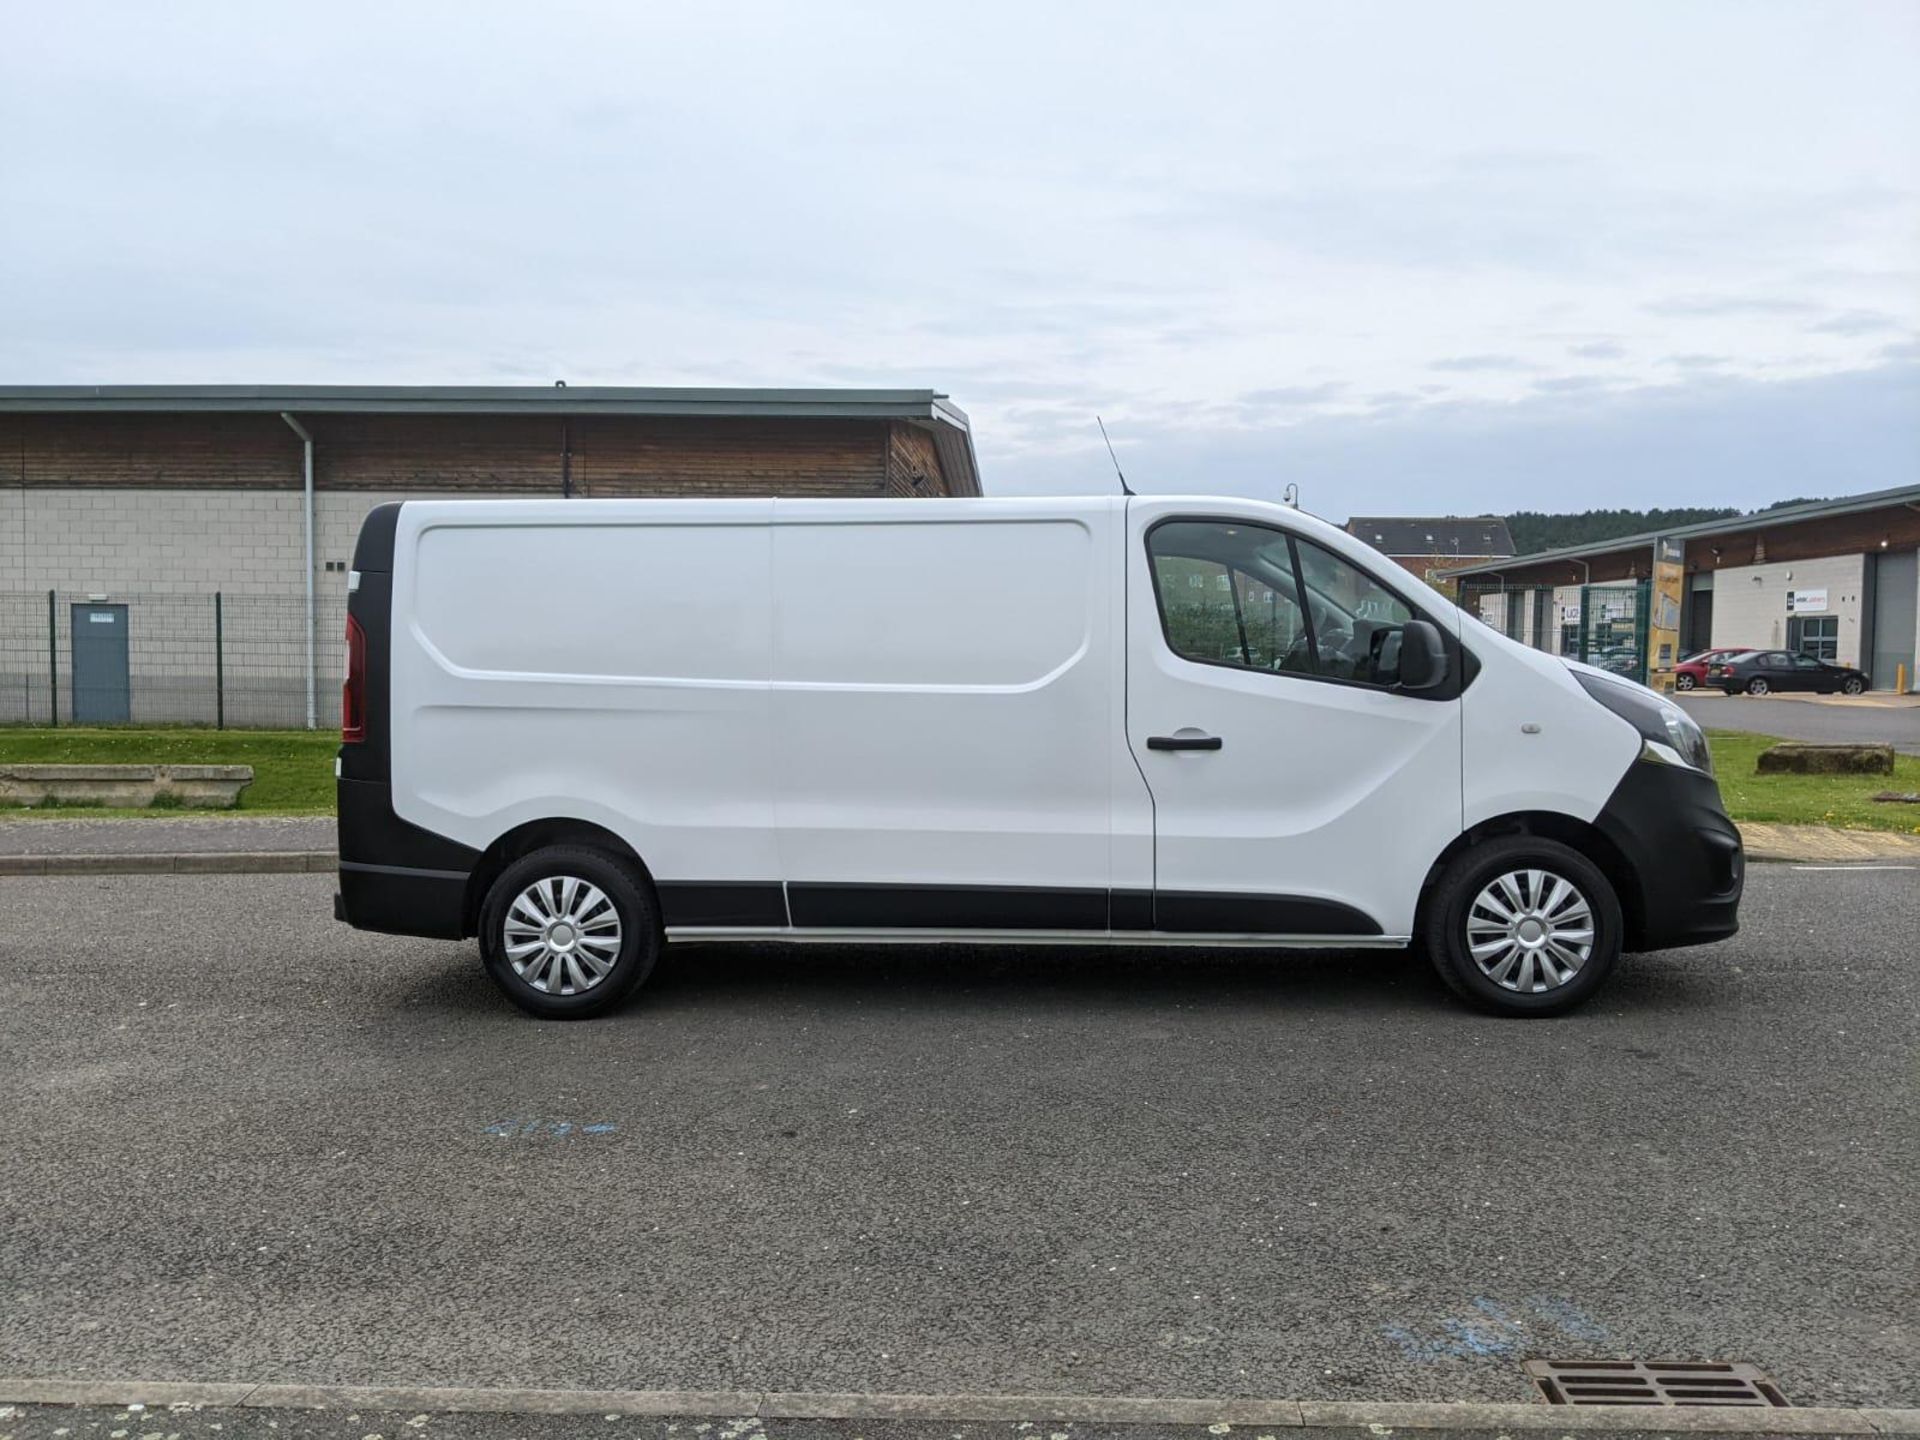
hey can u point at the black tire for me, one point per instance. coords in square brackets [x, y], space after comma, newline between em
[1852, 685]
[1683, 681]
[640, 936]
[1443, 928]
[1757, 686]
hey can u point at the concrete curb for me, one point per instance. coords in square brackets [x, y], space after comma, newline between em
[1822, 845]
[1091, 1409]
[181, 863]
[184, 862]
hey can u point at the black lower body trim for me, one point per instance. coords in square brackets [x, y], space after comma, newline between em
[1201, 913]
[946, 907]
[759, 904]
[1020, 907]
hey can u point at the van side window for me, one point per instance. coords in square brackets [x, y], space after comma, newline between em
[1355, 620]
[1229, 596]
[1235, 594]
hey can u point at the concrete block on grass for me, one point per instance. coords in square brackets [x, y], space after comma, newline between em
[1799, 758]
[126, 787]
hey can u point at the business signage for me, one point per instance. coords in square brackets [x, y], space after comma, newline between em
[1806, 602]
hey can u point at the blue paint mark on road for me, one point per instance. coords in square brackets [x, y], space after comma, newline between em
[1495, 1329]
[1567, 1318]
[548, 1129]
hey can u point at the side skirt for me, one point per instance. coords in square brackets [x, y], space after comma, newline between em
[1183, 940]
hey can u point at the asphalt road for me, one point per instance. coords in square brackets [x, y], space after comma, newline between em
[1898, 726]
[49, 1422]
[55, 1422]
[245, 1142]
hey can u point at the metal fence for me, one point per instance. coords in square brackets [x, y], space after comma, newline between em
[216, 659]
[1602, 624]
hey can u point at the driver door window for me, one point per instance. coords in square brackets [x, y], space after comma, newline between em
[1257, 599]
[1221, 614]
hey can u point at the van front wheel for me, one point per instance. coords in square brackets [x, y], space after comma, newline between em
[568, 931]
[1523, 926]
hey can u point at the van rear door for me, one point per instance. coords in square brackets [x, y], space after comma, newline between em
[1295, 791]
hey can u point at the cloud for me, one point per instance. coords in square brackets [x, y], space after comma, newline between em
[1855, 322]
[1289, 395]
[1901, 350]
[1279, 230]
[1571, 384]
[1470, 364]
[1721, 305]
[1704, 440]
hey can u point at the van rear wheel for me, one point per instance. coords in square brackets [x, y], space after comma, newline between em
[1523, 926]
[568, 931]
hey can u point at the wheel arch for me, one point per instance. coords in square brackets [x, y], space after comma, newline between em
[1574, 833]
[537, 835]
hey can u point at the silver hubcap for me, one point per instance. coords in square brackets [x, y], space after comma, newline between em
[1530, 930]
[562, 935]
[1759, 687]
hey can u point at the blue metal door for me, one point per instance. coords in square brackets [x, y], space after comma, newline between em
[102, 693]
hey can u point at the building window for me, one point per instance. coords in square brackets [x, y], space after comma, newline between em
[1816, 635]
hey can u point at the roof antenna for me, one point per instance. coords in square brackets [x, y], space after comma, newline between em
[1124, 488]
[1291, 496]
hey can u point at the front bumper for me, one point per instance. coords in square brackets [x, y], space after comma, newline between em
[1668, 824]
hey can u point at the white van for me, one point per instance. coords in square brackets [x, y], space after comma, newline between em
[579, 728]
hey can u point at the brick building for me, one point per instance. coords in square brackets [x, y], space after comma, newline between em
[1834, 578]
[1429, 545]
[132, 506]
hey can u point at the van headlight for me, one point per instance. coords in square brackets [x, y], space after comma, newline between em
[1669, 732]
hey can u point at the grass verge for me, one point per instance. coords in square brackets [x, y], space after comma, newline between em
[293, 774]
[1842, 801]
[292, 769]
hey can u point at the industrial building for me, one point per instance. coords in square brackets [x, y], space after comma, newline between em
[194, 540]
[1833, 578]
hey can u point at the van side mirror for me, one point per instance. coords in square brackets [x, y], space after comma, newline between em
[1423, 656]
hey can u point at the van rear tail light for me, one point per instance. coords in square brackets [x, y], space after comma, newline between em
[353, 695]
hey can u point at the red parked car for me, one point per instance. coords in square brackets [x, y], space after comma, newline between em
[1692, 671]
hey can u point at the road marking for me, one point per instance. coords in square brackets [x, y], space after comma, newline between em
[1095, 1409]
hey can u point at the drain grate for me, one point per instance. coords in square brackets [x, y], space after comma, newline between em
[1644, 1382]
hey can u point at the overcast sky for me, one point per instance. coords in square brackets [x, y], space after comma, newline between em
[1423, 258]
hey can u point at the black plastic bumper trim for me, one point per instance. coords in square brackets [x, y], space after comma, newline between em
[414, 871]
[1669, 825]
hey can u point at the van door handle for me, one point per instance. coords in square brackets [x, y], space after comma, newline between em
[1184, 742]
